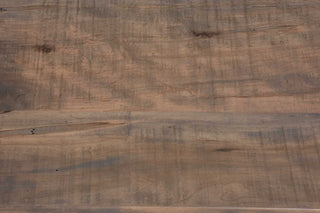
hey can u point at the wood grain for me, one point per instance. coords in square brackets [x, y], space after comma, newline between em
[156, 55]
[160, 210]
[160, 159]
[110, 106]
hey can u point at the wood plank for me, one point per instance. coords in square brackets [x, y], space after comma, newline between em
[159, 106]
[208, 56]
[159, 159]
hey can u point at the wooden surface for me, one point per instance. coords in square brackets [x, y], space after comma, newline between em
[110, 106]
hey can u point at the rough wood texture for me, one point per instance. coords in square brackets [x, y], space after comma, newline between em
[192, 106]
[156, 55]
[160, 159]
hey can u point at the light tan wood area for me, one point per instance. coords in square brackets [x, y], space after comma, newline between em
[178, 106]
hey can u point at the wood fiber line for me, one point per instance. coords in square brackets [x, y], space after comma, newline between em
[135, 209]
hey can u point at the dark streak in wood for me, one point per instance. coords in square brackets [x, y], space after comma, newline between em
[226, 150]
[205, 34]
[45, 48]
